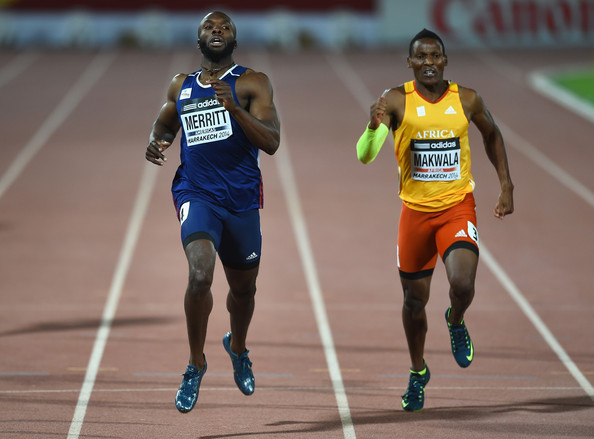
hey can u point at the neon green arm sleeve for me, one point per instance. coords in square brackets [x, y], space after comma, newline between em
[371, 142]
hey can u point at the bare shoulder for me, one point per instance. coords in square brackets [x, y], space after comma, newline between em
[476, 110]
[395, 105]
[176, 85]
[471, 100]
[396, 91]
[254, 82]
[253, 75]
[395, 97]
[180, 77]
[178, 80]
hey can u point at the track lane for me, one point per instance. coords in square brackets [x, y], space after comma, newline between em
[516, 385]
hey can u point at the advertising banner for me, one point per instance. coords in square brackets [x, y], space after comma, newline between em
[185, 5]
[492, 22]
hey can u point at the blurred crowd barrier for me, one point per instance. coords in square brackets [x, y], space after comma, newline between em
[298, 24]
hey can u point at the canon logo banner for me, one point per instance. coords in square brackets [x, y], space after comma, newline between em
[504, 23]
[515, 21]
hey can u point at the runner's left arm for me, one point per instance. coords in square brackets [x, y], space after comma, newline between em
[259, 120]
[494, 147]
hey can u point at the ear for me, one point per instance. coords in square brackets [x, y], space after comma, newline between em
[409, 62]
[445, 60]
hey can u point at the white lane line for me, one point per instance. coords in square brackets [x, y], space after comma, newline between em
[77, 92]
[141, 202]
[289, 184]
[351, 81]
[498, 64]
[531, 152]
[541, 83]
[140, 206]
[315, 291]
[535, 319]
[18, 65]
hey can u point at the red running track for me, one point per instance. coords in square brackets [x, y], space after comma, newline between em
[92, 332]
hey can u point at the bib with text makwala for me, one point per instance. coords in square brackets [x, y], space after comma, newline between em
[435, 159]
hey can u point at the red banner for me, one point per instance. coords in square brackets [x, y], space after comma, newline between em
[559, 20]
[187, 5]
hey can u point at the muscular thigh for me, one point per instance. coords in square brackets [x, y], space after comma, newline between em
[458, 229]
[236, 236]
[417, 250]
[424, 235]
[200, 220]
[241, 241]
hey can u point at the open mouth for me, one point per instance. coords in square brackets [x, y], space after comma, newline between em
[216, 42]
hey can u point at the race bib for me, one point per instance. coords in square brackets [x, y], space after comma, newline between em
[436, 159]
[473, 232]
[183, 212]
[205, 120]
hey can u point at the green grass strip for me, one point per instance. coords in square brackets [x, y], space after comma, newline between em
[580, 83]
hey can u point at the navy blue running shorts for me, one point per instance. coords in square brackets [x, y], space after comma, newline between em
[236, 236]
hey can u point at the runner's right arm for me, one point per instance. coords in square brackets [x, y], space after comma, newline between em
[166, 125]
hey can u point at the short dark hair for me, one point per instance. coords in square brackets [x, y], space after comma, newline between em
[425, 33]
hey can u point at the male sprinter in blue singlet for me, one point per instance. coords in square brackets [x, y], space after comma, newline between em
[227, 115]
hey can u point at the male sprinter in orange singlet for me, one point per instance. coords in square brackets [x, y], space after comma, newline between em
[429, 118]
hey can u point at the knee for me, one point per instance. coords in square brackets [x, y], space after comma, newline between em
[244, 293]
[462, 287]
[413, 304]
[199, 283]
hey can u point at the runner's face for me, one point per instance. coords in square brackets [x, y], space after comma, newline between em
[216, 36]
[427, 61]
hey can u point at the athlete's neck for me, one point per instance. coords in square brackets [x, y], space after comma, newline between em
[432, 92]
[212, 70]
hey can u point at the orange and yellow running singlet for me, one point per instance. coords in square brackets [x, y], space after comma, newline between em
[433, 152]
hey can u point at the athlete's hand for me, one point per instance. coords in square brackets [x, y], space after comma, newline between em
[377, 112]
[154, 151]
[223, 93]
[505, 204]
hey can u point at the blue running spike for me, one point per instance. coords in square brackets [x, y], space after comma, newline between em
[414, 398]
[462, 346]
[242, 368]
[187, 394]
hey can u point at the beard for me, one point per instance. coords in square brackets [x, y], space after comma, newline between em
[217, 55]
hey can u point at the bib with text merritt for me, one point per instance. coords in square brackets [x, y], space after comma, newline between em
[205, 120]
[435, 159]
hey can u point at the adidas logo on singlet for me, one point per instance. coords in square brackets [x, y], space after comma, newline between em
[450, 110]
[461, 234]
